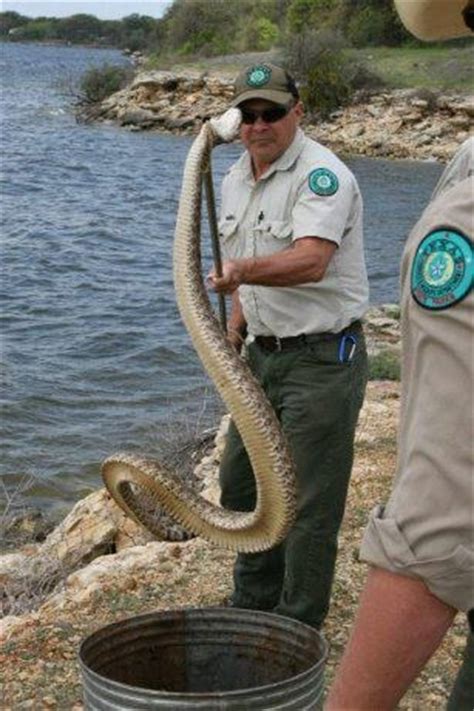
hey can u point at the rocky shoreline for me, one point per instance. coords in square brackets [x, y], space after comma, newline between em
[413, 124]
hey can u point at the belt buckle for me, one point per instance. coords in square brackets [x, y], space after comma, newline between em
[278, 344]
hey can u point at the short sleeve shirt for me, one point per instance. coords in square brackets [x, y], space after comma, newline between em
[307, 192]
[426, 529]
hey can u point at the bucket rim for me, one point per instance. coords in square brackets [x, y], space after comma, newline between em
[222, 611]
[273, 687]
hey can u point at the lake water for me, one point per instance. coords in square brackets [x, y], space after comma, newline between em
[94, 358]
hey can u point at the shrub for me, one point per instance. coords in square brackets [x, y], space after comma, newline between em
[100, 82]
[361, 77]
[373, 26]
[310, 13]
[302, 51]
[204, 44]
[316, 59]
[327, 74]
[266, 35]
[326, 87]
[384, 365]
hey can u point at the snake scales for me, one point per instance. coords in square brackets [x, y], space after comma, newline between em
[141, 485]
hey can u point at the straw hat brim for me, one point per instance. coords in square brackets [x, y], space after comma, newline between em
[433, 19]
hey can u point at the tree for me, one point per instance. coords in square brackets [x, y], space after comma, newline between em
[11, 21]
[199, 26]
[371, 22]
[79, 28]
[39, 30]
[260, 35]
[137, 31]
[310, 14]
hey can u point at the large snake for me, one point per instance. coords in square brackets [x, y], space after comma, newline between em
[138, 485]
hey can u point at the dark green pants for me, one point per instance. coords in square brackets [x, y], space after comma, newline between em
[462, 695]
[317, 400]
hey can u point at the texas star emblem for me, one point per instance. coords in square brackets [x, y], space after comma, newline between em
[442, 271]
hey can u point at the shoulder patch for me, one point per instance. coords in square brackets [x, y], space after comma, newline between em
[323, 181]
[442, 270]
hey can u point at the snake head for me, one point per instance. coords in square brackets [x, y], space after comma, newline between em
[226, 126]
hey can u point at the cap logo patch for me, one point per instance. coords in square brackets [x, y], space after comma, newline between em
[442, 270]
[258, 76]
[323, 182]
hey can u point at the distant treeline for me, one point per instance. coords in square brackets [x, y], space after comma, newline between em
[136, 32]
[217, 27]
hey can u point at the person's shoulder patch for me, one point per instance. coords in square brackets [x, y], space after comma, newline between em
[323, 181]
[442, 270]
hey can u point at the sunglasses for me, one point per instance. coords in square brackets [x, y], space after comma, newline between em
[267, 115]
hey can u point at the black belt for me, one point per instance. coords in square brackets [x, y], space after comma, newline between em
[273, 343]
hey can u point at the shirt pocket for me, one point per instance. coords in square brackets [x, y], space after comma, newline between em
[273, 236]
[228, 236]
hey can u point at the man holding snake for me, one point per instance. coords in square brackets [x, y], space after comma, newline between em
[291, 237]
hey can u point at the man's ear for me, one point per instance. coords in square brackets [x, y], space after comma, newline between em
[299, 109]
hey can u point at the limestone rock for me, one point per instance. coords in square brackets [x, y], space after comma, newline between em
[427, 125]
[420, 104]
[95, 526]
[10, 624]
[467, 107]
[391, 310]
[460, 121]
[382, 328]
[356, 130]
[157, 79]
[117, 569]
[179, 123]
[137, 117]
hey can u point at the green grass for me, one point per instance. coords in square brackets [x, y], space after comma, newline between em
[435, 68]
[431, 67]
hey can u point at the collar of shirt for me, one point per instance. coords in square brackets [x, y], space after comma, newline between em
[284, 162]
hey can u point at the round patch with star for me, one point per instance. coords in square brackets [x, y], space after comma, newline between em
[442, 270]
[258, 76]
[323, 182]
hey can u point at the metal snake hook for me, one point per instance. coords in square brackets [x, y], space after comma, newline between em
[213, 228]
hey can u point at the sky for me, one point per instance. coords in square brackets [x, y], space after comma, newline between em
[103, 9]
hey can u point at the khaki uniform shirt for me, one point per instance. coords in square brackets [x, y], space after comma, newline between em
[426, 529]
[307, 192]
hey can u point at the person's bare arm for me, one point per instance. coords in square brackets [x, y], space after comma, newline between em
[398, 627]
[306, 260]
[236, 326]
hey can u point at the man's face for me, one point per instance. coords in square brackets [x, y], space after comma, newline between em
[266, 141]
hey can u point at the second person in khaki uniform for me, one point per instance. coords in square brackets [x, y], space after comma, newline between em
[420, 543]
[291, 235]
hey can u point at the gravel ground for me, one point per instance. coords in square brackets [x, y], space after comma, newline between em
[38, 661]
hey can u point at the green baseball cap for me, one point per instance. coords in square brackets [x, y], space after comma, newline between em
[265, 81]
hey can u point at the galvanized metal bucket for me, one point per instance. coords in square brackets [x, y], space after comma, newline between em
[209, 658]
